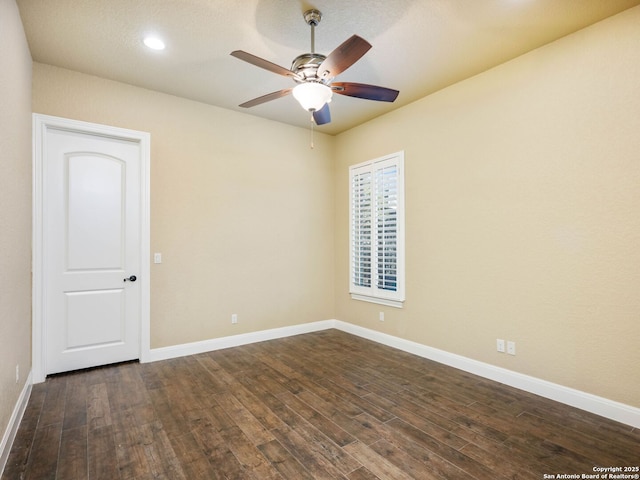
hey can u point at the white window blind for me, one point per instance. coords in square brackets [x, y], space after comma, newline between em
[361, 228]
[377, 230]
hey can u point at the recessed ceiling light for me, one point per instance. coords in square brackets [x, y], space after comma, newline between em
[154, 43]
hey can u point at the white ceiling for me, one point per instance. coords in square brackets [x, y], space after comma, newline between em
[419, 46]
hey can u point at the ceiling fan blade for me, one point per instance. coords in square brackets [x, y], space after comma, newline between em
[262, 63]
[348, 53]
[266, 98]
[362, 90]
[322, 116]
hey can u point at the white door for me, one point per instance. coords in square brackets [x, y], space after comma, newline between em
[92, 209]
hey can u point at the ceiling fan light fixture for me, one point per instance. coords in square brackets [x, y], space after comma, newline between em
[312, 96]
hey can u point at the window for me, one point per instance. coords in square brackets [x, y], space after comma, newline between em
[377, 230]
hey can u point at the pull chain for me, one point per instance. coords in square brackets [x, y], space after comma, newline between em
[312, 122]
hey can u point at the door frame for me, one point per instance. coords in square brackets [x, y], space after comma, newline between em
[41, 124]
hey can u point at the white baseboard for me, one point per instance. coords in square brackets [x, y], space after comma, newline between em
[14, 422]
[585, 401]
[165, 353]
[604, 407]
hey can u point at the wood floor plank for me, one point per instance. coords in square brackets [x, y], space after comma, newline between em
[322, 405]
[172, 419]
[182, 397]
[256, 408]
[233, 360]
[218, 379]
[130, 451]
[458, 414]
[192, 459]
[283, 374]
[372, 430]
[362, 474]
[336, 403]
[376, 463]
[72, 463]
[502, 461]
[243, 419]
[98, 409]
[521, 460]
[249, 453]
[216, 450]
[102, 457]
[124, 388]
[345, 391]
[307, 453]
[160, 453]
[432, 462]
[452, 455]
[584, 444]
[75, 409]
[319, 442]
[319, 421]
[47, 445]
[195, 377]
[54, 402]
[547, 456]
[430, 422]
[284, 462]
[354, 426]
[404, 461]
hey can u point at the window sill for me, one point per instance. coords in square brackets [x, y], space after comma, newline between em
[382, 301]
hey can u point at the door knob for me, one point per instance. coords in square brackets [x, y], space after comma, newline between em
[132, 278]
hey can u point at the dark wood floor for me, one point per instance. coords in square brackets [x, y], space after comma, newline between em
[323, 405]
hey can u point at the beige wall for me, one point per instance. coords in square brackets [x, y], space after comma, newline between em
[15, 209]
[523, 213]
[241, 208]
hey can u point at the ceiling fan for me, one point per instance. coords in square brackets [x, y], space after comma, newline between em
[314, 74]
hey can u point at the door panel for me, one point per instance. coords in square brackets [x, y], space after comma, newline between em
[104, 327]
[91, 243]
[95, 212]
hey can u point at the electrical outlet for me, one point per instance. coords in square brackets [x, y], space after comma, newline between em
[511, 348]
[500, 345]
[381, 316]
[17, 373]
[234, 318]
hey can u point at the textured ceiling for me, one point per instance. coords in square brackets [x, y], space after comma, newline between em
[419, 46]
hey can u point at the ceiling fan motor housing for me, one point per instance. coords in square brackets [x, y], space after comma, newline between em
[305, 67]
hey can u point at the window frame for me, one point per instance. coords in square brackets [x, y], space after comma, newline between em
[373, 293]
